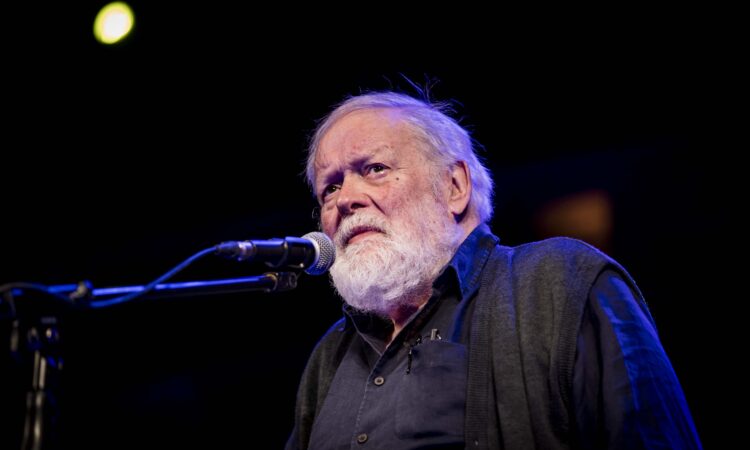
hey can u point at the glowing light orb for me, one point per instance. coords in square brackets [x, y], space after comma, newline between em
[113, 23]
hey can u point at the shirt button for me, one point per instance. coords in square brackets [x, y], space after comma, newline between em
[379, 381]
[362, 438]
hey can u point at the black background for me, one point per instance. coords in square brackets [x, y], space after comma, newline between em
[118, 163]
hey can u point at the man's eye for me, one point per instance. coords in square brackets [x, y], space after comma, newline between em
[375, 168]
[330, 189]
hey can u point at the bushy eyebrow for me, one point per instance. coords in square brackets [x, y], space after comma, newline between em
[357, 162]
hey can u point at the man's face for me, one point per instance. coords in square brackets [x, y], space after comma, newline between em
[393, 232]
[369, 163]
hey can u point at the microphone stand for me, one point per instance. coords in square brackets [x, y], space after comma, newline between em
[268, 282]
[41, 337]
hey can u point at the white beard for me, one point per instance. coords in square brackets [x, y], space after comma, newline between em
[386, 271]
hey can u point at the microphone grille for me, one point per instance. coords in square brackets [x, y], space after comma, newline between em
[326, 255]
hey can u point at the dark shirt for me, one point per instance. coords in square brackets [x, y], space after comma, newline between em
[385, 398]
[412, 394]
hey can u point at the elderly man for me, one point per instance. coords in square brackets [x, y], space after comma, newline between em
[450, 340]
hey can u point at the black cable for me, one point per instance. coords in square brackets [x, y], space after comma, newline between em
[149, 287]
[9, 287]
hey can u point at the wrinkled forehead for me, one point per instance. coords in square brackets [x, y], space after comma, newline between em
[362, 133]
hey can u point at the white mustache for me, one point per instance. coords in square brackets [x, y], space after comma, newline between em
[354, 225]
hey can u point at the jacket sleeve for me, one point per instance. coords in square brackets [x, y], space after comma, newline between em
[625, 391]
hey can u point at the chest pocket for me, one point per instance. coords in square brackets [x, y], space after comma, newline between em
[432, 398]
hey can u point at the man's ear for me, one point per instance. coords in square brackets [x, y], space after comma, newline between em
[459, 191]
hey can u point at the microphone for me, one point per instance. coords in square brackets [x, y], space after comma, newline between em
[313, 252]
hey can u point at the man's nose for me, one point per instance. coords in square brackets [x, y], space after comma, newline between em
[352, 195]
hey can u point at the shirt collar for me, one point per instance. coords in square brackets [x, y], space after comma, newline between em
[471, 257]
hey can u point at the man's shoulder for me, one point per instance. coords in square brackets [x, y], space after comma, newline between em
[335, 331]
[559, 247]
[555, 273]
[337, 328]
[557, 252]
[332, 338]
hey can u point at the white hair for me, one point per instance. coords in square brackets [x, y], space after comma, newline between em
[446, 142]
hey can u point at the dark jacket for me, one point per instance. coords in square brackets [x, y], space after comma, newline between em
[528, 305]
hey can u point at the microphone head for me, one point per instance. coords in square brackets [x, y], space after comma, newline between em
[326, 253]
